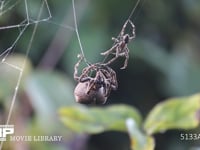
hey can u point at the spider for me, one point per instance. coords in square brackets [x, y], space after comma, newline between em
[120, 45]
[94, 84]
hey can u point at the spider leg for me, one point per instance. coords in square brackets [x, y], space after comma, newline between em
[111, 82]
[110, 61]
[114, 58]
[84, 76]
[105, 84]
[90, 85]
[85, 79]
[131, 37]
[133, 30]
[126, 54]
[94, 82]
[114, 87]
[76, 67]
[133, 26]
[107, 52]
[107, 89]
[123, 28]
[85, 73]
[114, 84]
[115, 39]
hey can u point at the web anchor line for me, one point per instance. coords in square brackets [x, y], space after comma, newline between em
[133, 10]
[22, 27]
[82, 55]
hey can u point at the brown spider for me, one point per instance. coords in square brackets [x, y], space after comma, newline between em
[120, 48]
[95, 83]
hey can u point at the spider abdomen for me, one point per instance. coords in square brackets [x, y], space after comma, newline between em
[94, 96]
[126, 39]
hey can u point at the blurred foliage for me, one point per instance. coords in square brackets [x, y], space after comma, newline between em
[176, 113]
[164, 62]
[96, 120]
[116, 117]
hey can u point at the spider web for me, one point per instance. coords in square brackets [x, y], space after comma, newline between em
[7, 8]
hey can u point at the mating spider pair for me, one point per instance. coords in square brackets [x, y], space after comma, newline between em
[98, 80]
[95, 83]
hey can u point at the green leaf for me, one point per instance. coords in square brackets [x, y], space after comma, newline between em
[175, 113]
[95, 120]
[139, 141]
